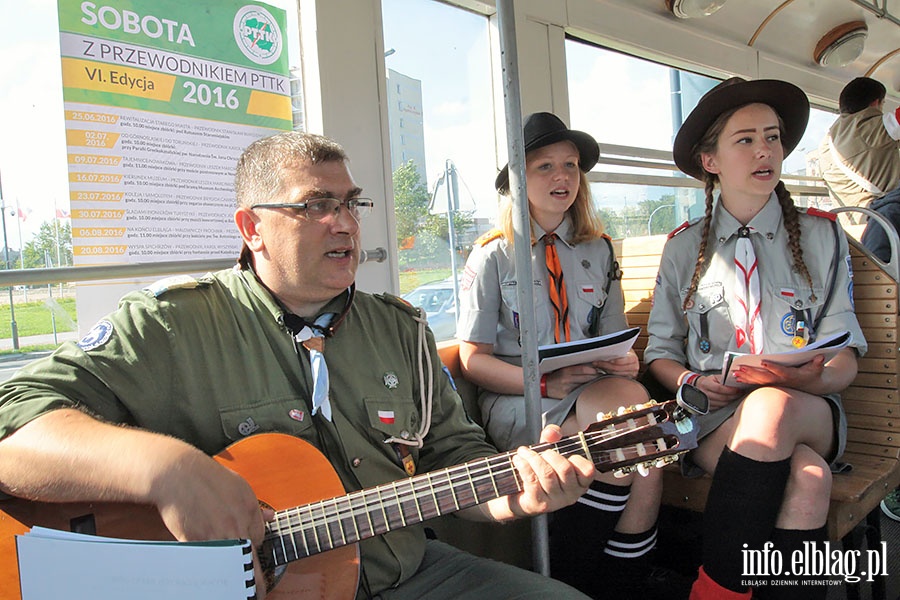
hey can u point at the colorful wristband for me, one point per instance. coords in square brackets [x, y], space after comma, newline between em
[544, 386]
[691, 378]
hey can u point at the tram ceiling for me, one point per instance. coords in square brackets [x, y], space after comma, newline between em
[790, 30]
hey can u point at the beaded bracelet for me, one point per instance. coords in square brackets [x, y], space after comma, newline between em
[691, 378]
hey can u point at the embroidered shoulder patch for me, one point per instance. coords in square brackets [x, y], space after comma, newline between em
[176, 282]
[815, 212]
[398, 302]
[97, 336]
[679, 229]
[490, 236]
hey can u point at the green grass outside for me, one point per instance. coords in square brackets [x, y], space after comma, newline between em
[35, 318]
[410, 280]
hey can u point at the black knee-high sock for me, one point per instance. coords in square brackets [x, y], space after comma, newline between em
[578, 534]
[741, 509]
[786, 542]
[625, 566]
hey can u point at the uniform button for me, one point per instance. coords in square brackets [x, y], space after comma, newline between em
[702, 307]
[798, 303]
[721, 240]
[770, 236]
[404, 434]
[586, 264]
[356, 462]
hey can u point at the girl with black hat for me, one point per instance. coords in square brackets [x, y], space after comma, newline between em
[755, 274]
[600, 544]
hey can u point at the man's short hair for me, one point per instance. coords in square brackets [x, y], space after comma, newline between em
[259, 169]
[860, 93]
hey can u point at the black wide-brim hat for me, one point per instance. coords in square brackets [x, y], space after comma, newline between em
[543, 129]
[785, 98]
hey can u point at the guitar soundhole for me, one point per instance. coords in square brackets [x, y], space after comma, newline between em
[84, 524]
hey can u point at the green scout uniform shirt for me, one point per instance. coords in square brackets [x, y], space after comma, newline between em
[213, 363]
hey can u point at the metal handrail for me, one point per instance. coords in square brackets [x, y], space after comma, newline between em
[892, 267]
[135, 271]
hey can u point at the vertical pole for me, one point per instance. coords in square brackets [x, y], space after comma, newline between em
[12, 308]
[522, 240]
[450, 179]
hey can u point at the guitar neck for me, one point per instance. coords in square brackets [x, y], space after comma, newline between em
[313, 528]
[618, 442]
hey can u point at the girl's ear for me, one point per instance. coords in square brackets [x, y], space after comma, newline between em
[709, 163]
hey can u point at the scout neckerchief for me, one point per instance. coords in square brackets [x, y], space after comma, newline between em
[312, 337]
[748, 326]
[558, 298]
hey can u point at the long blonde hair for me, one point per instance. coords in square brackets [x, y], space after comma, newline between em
[586, 222]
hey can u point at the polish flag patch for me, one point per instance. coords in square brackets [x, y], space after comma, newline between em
[386, 416]
[587, 289]
[787, 292]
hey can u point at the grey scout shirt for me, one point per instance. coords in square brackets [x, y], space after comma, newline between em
[490, 313]
[676, 335]
[213, 364]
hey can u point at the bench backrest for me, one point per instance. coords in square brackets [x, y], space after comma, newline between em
[872, 402]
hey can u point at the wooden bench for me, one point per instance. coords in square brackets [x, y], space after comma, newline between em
[872, 403]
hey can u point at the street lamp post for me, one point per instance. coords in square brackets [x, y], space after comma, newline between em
[12, 309]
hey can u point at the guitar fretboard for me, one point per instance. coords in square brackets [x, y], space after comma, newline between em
[321, 526]
[318, 527]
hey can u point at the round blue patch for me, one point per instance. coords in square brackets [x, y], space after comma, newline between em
[787, 324]
[97, 336]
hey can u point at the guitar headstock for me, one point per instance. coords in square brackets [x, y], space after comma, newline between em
[639, 437]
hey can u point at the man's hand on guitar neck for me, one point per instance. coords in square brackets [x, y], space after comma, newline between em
[550, 482]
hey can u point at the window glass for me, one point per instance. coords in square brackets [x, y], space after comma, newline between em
[33, 161]
[443, 161]
[628, 101]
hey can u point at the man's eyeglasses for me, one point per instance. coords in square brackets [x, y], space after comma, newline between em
[318, 209]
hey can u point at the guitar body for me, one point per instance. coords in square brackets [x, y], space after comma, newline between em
[312, 542]
[284, 471]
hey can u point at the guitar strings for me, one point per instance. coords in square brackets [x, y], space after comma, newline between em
[494, 476]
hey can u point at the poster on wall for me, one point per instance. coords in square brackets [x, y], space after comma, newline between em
[160, 98]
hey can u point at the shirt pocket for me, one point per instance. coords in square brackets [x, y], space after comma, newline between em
[591, 295]
[509, 306]
[790, 302]
[281, 415]
[392, 417]
[709, 317]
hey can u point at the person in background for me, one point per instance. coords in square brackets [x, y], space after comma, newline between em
[860, 158]
[724, 284]
[600, 545]
[280, 343]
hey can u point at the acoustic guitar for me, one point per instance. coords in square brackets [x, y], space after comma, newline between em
[310, 547]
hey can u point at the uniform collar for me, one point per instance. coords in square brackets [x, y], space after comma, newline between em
[766, 222]
[563, 231]
[340, 304]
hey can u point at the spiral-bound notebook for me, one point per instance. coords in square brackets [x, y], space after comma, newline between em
[60, 564]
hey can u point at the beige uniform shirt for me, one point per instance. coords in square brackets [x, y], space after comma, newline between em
[860, 156]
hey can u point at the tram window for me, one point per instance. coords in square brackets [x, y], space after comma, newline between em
[628, 101]
[443, 160]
